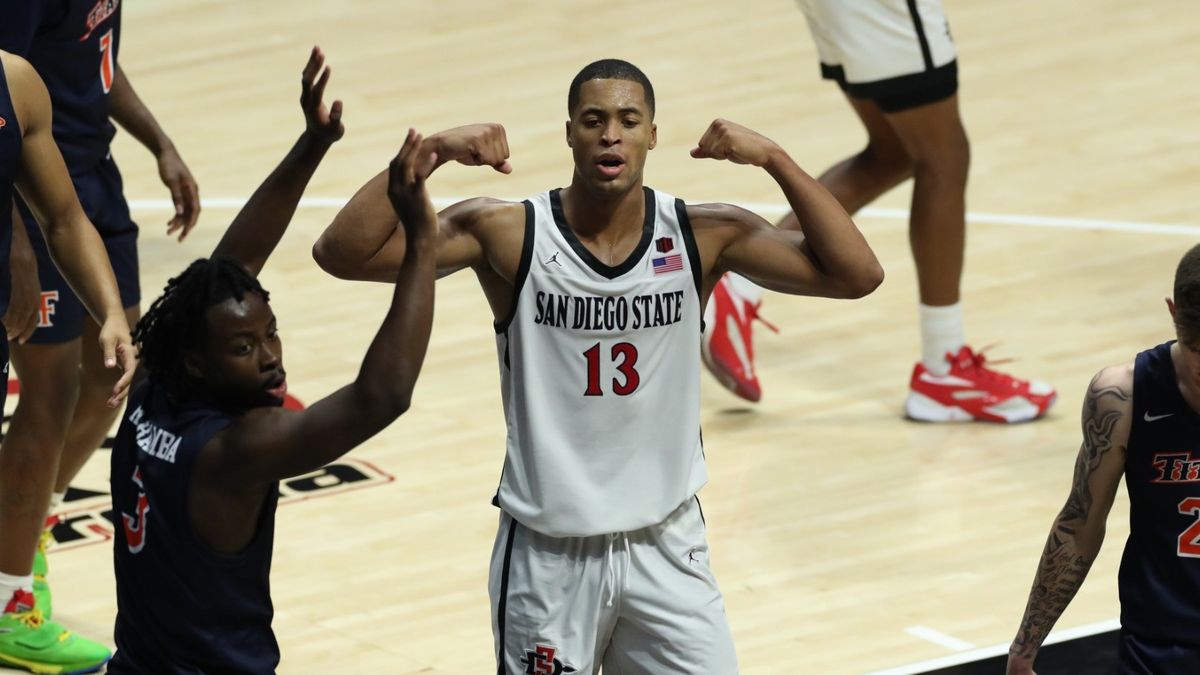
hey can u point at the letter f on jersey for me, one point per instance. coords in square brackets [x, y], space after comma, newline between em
[135, 527]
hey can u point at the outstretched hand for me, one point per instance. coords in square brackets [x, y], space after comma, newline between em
[322, 123]
[473, 145]
[117, 348]
[184, 192]
[406, 186]
[734, 142]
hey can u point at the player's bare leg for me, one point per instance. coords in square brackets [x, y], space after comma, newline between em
[29, 454]
[92, 419]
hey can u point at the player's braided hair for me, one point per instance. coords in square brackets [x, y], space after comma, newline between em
[1187, 298]
[175, 322]
[609, 69]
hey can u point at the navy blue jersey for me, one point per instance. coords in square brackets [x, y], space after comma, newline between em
[10, 164]
[75, 52]
[182, 607]
[18, 22]
[1160, 570]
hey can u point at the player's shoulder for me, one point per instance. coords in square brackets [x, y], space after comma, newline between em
[485, 212]
[719, 214]
[1119, 376]
[17, 70]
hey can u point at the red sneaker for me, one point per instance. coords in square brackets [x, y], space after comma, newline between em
[972, 391]
[727, 348]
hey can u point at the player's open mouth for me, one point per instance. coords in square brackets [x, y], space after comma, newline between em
[610, 165]
[279, 390]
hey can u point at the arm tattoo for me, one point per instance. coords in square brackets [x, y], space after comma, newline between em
[1062, 568]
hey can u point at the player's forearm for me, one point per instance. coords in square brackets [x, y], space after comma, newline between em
[364, 226]
[1070, 550]
[79, 253]
[259, 226]
[127, 108]
[21, 256]
[832, 239]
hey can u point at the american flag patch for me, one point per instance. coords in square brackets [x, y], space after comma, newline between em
[671, 263]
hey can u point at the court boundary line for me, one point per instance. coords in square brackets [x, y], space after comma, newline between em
[939, 638]
[766, 208]
[1086, 630]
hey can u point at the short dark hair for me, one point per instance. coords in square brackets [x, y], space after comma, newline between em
[609, 69]
[176, 320]
[1187, 298]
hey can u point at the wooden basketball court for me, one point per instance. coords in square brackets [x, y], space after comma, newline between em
[845, 538]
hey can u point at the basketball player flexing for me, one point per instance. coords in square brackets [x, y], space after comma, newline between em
[74, 45]
[597, 291]
[1141, 420]
[204, 441]
[896, 64]
[30, 160]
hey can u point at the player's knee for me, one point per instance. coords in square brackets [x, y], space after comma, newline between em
[889, 162]
[949, 161]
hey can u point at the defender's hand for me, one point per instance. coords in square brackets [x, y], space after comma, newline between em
[734, 142]
[118, 351]
[184, 192]
[473, 145]
[321, 123]
[406, 186]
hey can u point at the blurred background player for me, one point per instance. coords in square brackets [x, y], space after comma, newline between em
[30, 159]
[895, 62]
[74, 45]
[1141, 420]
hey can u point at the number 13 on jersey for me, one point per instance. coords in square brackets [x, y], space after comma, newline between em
[624, 355]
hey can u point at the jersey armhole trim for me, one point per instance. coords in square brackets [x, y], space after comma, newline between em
[501, 325]
[693, 253]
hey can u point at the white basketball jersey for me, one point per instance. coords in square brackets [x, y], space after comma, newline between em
[599, 370]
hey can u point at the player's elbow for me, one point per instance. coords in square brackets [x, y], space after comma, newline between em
[325, 253]
[866, 281]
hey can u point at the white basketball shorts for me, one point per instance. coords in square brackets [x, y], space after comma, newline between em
[898, 53]
[637, 603]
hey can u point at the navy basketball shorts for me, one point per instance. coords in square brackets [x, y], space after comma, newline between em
[1139, 655]
[100, 191]
[637, 603]
[897, 53]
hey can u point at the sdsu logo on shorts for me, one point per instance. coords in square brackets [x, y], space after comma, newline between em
[541, 661]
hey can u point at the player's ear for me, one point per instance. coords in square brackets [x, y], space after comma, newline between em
[191, 365]
[1171, 308]
[653, 135]
[569, 134]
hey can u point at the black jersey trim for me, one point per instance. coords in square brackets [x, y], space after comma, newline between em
[920, 28]
[606, 271]
[502, 602]
[501, 325]
[701, 508]
[693, 252]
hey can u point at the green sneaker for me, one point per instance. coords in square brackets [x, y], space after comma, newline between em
[41, 587]
[30, 642]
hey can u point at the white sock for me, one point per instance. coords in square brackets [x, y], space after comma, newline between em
[10, 584]
[941, 331]
[56, 500]
[749, 290]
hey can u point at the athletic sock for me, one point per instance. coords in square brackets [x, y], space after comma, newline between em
[10, 584]
[941, 332]
[56, 500]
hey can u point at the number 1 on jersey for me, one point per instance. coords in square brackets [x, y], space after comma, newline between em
[108, 70]
[625, 356]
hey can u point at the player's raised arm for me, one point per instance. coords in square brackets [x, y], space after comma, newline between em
[74, 244]
[366, 241]
[258, 227]
[267, 444]
[1078, 530]
[830, 258]
[127, 108]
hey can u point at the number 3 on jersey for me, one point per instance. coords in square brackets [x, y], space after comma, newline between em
[625, 356]
[108, 69]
